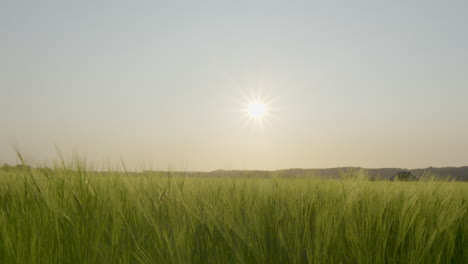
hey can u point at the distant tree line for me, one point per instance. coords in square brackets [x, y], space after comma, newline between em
[7, 167]
[404, 176]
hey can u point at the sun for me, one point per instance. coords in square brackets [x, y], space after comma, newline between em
[257, 109]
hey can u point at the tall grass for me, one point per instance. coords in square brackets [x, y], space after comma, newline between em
[78, 216]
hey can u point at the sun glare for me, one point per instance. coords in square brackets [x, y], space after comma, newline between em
[257, 109]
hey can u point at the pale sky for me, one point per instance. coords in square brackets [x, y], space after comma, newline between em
[164, 83]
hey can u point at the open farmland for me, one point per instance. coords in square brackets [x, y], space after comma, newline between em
[79, 216]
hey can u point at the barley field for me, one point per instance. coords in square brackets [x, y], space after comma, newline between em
[79, 216]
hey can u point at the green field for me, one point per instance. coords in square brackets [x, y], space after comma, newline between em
[78, 216]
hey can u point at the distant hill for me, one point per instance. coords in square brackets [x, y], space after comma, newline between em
[447, 173]
[455, 173]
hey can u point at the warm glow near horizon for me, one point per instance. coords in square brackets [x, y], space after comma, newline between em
[205, 85]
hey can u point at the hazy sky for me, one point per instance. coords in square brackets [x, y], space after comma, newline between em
[159, 83]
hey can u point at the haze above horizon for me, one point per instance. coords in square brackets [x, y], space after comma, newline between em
[240, 85]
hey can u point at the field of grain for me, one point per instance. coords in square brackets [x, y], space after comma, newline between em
[78, 216]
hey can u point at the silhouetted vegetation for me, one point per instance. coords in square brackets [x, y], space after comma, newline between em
[404, 176]
[7, 167]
